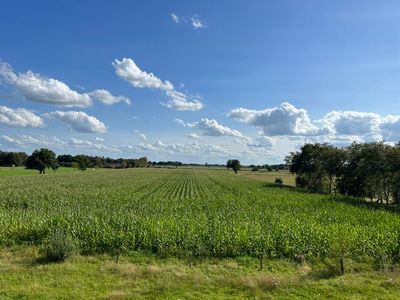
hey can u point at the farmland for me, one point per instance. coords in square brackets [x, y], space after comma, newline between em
[194, 215]
[15, 171]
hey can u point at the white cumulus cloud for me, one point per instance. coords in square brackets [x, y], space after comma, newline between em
[79, 121]
[129, 71]
[351, 123]
[264, 142]
[107, 98]
[211, 128]
[282, 120]
[24, 140]
[194, 136]
[37, 88]
[19, 117]
[179, 101]
[361, 126]
[390, 127]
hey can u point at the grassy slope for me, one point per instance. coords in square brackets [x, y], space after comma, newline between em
[150, 277]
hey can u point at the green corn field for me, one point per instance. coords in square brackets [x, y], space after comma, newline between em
[193, 212]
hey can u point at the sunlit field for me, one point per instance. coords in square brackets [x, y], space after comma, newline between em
[17, 171]
[192, 216]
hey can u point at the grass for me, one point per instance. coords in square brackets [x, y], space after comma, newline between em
[19, 171]
[191, 212]
[270, 176]
[189, 234]
[23, 276]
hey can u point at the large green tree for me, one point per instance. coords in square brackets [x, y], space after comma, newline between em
[233, 164]
[41, 160]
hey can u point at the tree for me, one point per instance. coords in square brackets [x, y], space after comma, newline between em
[41, 160]
[83, 162]
[55, 165]
[12, 158]
[74, 165]
[367, 170]
[308, 165]
[65, 160]
[233, 164]
[333, 162]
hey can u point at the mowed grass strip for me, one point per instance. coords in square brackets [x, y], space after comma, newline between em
[24, 276]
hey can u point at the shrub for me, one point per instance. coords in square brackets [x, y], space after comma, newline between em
[255, 169]
[301, 181]
[58, 246]
[278, 180]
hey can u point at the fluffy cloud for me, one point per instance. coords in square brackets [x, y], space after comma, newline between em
[37, 88]
[390, 128]
[23, 141]
[79, 121]
[351, 123]
[179, 101]
[107, 98]
[211, 128]
[264, 142]
[129, 71]
[338, 127]
[19, 117]
[361, 126]
[282, 120]
[194, 136]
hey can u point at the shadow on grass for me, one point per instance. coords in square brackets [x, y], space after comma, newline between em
[358, 202]
[353, 201]
[290, 188]
[325, 273]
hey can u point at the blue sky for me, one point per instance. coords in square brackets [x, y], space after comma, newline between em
[207, 80]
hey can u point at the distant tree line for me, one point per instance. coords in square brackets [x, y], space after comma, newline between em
[87, 161]
[367, 170]
[42, 159]
[9, 159]
[167, 163]
[270, 168]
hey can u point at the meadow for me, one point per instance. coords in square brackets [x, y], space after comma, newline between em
[197, 215]
[18, 171]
